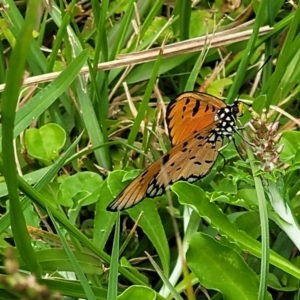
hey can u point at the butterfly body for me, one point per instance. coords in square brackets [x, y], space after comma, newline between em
[198, 124]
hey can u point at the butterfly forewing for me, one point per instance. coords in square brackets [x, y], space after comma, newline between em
[191, 112]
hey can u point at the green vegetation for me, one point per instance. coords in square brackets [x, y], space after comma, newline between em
[84, 91]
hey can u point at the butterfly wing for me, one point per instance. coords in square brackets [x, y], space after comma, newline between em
[191, 112]
[189, 160]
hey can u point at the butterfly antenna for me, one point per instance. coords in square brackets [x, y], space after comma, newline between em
[261, 67]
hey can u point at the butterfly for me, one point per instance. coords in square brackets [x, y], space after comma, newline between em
[197, 124]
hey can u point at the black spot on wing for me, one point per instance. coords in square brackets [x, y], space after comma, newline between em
[184, 148]
[196, 108]
[165, 158]
[144, 173]
[187, 101]
[197, 163]
[200, 137]
[206, 108]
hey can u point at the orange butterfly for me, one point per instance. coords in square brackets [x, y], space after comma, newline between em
[198, 124]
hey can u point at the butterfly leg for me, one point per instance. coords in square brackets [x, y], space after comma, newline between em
[224, 146]
[224, 161]
[247, 142]
[237, 150]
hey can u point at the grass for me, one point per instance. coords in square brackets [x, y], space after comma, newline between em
[104, 74]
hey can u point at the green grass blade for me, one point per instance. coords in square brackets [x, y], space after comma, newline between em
[184, 27]
[10, 98]
[88, 291]
[73, 289]
[248, 53]
[43, 180]
[264, 221]
[60, 34]
[91, 123]
[269, 43]
[190, 85]
[2, 65]
[114, 266]
[35, 58]
[60, 218]
[40, 102]
[184, 19]
[164, 278]
[144, 105]
[152, 226]
[119, 37]
[150, 10]
[286, 55]
[101, 51]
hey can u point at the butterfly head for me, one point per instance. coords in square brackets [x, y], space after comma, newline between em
[238, 108]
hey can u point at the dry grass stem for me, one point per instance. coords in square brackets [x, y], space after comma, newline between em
[188, 46]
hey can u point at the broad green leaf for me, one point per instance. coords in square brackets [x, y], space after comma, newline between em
[31, 178]
[104, 221]
[226, 185]
[275, 284]
[248, 221]
[42, 100]
[40, 178]
[152, 226]
[221, 268]
[52, 260]
[291, 141]
[31, 217]
[45, 143]
[83, 188]
[195, 197]
[217, 87]
[201, 23]
[137, 293]
[126, 264]
[259, 104]
[155, 27]
[150, 221]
